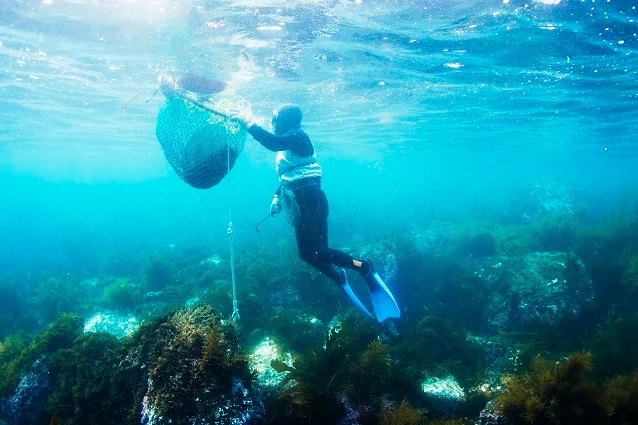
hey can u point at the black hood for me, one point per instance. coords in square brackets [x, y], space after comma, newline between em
[287, 117]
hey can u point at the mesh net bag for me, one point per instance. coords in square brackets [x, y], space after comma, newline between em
[196, 142]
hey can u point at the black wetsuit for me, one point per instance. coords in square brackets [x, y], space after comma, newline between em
[312, 229]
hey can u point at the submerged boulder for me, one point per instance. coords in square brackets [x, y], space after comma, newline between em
[185, 367]
[112, 323]
[28, 403]
[196, 372]
[261, 360]
[490, 415]
[439, 237]
[540, 200]
[444, 394]
[527, 290]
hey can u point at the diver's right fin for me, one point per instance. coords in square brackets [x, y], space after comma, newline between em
[345, 287]
[385, 306]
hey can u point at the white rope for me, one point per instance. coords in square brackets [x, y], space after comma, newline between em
[235, 315]
[188, 97]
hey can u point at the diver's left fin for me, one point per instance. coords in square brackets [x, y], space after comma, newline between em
[345, 287]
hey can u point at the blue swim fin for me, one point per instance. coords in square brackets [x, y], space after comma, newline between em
[345, 287]
[385, 306]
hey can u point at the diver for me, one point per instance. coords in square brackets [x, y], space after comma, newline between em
[306, 206]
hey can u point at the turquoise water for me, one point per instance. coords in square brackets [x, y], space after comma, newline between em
[416, 108]
[483, 154]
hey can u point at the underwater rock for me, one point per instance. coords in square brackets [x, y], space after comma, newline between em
[481, 245]
[153, 296]
[114, 324]
[455, 239]
[446, 388]
[353, 414]
[93, 286]
[153, 301]
[489, 415]
[195, 371]
[284, 297]
[298, 332]
[535, 288]
[239, 407]
[192, 302]
[28, 403]
[438, 238]
[309, 331]
[213, 260]
[260, 361]
[444, 394]
[500, 356]
[540, 200]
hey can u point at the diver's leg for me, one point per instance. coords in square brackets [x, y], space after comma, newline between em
[311, 240]
[385, 306]
[325, 254]
[343, 259]
[311, 235]
[308, 245]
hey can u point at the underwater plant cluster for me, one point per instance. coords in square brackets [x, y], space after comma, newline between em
[522, 317]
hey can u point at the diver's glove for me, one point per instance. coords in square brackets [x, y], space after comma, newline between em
[244, 116]
[275, 205]
[171, 88]
[167, 85]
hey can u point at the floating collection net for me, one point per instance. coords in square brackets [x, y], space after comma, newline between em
[200, 145]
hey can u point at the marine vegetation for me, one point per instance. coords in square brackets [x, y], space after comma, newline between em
[359, 374]
[56, 296]
[121, 294]
[24, 366]
[123, 259]
[554, 394]
[294, 332]
[158, 273]
[621, 399]
[17, 354]
[195, 368]
[440, 347]
[565, 393]
[614, 345]
[86, 386]
[11, 304]
[630, 272]
[372, 372]
[10, 365]
[319, 380]
[557, 232]
[609, 251]
[184, 367]
[402, 414]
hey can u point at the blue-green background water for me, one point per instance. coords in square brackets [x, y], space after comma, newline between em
[418, 110]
